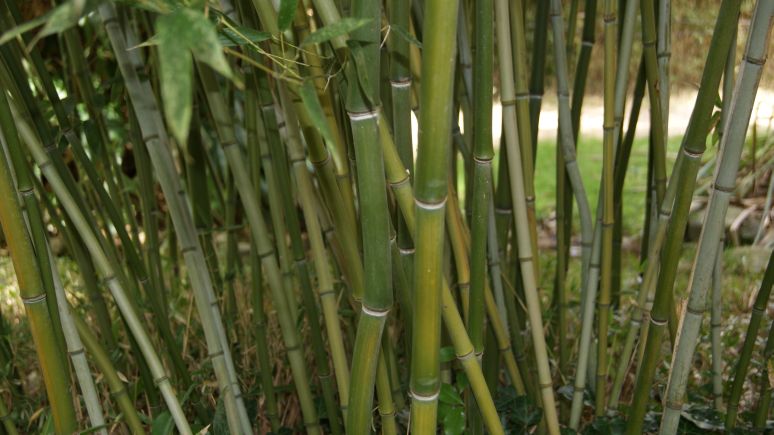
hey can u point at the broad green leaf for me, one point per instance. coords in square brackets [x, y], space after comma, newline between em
[339, 28]
[241, 36]
[405, 34]
[308, 96]
[285, 16]
[183, 33]
[454, 421]
[450, 395]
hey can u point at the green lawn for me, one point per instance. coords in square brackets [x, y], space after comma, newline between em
[590, 162]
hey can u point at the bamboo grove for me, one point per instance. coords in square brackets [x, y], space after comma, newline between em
[264, 246]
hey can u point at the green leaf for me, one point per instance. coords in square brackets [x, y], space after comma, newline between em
[285, 16]
[56, 20]
[339, 28]
[162, 424]
[450, 395]
[241, 36]
[176, 72]
[183, 33]
[405, 34]
[308, 95]
[454, 421]
[361, 67]
[448, 354]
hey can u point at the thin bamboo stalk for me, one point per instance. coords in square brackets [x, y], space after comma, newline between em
[764, 395]
[104, 364]
[52, 360]
[603, 304]
[692, 150]
[716, 325]
[566, 138]
[108, 274]
[714, 219]
[743, 362]
[77, 356]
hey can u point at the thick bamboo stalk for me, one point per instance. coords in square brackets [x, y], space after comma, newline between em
[362, 104]
[431, 195]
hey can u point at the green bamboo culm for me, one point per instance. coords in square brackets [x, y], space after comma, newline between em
[363, 109]
[693, 147]
[432, 167]
[118, 390]
[764, 384]
[603, 304]
[483, 153]
[743, 363]
[725, 175]
[52, 358]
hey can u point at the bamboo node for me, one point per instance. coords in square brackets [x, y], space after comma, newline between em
[34, 300]
[362, 116]
[721, 188]
[430, 205]
[374, 312]
[402, 83]
[420, 398]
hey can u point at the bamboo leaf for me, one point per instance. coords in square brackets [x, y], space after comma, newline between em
[285, 16]
[309, 97]
[405, 34]
[241, 36]
[339, 28]
[181, 34]
[57, 20]
[361, 67]
[176, 70]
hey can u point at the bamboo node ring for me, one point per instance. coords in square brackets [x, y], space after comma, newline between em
[362, 116]
[374, 312]
[430, 205]
[431, 398]
[34, 300]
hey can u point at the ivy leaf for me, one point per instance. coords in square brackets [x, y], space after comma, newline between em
[285, 16]
[308, 96]
[454, 421]
[450, 395]
[181, 34]
[339, 28]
